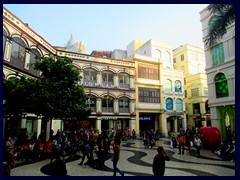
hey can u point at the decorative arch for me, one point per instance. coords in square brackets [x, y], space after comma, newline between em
[166, 56]
[9, 76]
[92, 67]
[77, 66]
[124, 95]
[158, 53]
[108, 69]
[23, 39]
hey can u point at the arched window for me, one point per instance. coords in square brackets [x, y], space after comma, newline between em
[123, 104]
[107, 104]
[124, 79]
[107, 77]
[18, 52]
[34, 54]
[157, 53]
[4, 39]
[179, 105]
[91, 102]
[178, 86]
[166, 56]
[168, 85]
[212, 21]
[221, 85]
[169, 104]
[90, 75]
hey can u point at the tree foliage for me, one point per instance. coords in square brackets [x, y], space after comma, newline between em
[55, 95]
[224, 16]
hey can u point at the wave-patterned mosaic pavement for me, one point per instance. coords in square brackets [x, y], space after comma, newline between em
[135, 160]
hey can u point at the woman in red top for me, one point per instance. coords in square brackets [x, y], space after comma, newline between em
[115, 157]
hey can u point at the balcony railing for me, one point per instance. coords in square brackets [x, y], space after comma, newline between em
[124, 110]
[123, 85]
[107, 109]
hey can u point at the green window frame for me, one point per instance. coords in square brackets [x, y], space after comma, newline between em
[221, 86]
[217, 54]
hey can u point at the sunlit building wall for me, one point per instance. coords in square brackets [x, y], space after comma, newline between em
[220, 69]
[191, 60]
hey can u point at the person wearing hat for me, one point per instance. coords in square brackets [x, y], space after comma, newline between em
[159, 162]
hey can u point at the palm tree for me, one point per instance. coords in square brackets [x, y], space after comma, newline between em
[225, 15]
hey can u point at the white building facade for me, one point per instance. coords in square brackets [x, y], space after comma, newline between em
[220, 69]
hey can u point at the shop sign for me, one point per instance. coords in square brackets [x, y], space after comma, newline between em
[94, 84]
[143, 118]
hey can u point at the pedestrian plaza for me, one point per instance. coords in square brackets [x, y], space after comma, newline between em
[136, 160]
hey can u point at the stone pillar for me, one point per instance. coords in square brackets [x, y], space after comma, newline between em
[132, 106]
[162, 125]
[115, 80]
[137, 123]
[99, 105]
[175, 125]
[8, 48]
[48, 128]
[184, 122]
[131, 81]
[115, 105]
[98, 124]
[27, 59]
[99, 77]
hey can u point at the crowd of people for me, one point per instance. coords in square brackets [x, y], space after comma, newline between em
[88, 142]
[85, 141]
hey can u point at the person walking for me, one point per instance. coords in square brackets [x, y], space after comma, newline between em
[181, 141]
[116, 156]
[159, 160]
[197, 142]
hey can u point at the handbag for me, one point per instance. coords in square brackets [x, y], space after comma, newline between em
[191, 144]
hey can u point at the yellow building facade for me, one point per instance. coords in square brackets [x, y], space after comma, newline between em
[158, 106]
[191, 60]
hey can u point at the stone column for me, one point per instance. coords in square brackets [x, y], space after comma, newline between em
[99, 105]
[131, 81]
[99, 77]
[162, 125]
[115, 80]
[8, 48]
[132, 106]
[98, 124]
[27, 59]
[175, 125]
[137, 123]
[115, 105]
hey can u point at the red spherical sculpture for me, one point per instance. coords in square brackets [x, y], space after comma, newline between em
[210, 136]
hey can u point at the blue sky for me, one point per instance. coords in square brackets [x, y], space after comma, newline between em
[113, 26]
